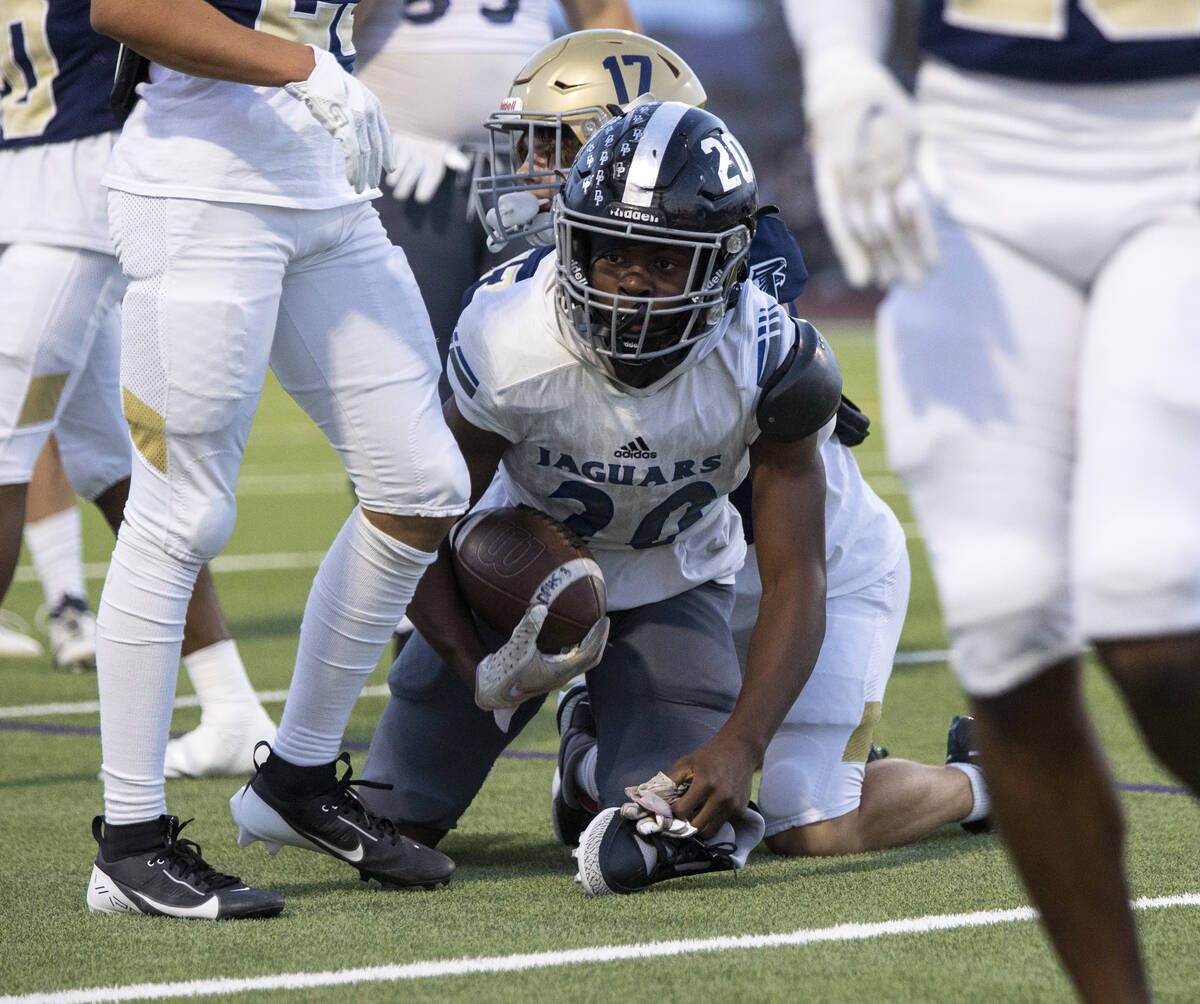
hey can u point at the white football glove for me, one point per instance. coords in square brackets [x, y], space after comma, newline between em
[420, 165]
[863, 134]
[651, 810]
[518, 669]
[351, 114]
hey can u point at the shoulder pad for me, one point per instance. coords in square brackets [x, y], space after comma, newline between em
[804, 391]
[852, 423]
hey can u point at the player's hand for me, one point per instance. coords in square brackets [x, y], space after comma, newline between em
[718, 778]
[351, 114]
[863, 134]
[420, 163]
[518, 669]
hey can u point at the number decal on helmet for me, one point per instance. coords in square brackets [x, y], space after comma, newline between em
[734, 169]
[629, 59]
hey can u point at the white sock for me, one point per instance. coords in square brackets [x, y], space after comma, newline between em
[138, 637]
[227, 701]
[359, 594]
[56, 548]
[982, 804]
[585, 772]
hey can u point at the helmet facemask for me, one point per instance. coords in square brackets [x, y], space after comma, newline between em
[515, 200]
[640, 339]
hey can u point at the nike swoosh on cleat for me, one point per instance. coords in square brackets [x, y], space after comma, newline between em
[207, 909]
[354, 854]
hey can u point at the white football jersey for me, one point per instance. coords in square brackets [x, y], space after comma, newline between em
[441, 68]
[643, 479]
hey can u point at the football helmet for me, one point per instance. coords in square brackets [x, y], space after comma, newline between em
[668, 175]
[565, 92]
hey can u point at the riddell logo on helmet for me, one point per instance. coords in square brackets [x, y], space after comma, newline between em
[510, 105]
[636, 215]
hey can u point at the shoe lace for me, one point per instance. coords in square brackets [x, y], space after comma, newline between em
[676, 851]
[344, 799]
[183, 859]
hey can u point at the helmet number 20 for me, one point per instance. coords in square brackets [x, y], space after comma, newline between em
[733, 166]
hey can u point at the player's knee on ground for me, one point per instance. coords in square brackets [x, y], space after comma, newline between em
[828, 838]
[811, 777]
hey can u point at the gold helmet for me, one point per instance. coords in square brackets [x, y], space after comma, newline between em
[565, 92]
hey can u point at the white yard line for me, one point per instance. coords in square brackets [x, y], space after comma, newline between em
[187, 701]
[221, 564]
[549, 960]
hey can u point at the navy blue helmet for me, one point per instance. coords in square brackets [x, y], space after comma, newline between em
[663, 173]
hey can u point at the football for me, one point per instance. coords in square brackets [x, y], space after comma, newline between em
[508, 558]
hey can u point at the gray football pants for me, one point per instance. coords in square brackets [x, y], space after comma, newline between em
[668, 680]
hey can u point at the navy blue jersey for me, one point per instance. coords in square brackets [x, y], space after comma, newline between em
[57, 74]
[776, 264]
[1110, 41]
[323, 24]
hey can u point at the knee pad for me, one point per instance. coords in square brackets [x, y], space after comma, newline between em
[192, 515]
[206, 526]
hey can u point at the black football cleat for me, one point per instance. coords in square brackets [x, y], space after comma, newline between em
[960, 749]
[335, 821]
[615, 858]
[876, 753]
[170, 880]
[571, 809]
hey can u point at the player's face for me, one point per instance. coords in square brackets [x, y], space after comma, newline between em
[545, 157]
[643, 270]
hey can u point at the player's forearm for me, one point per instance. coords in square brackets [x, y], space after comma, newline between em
[194, 37]
[599, 14]
[440, 613]
[783, 651]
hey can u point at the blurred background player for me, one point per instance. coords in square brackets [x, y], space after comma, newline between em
[240, 191]
[437, 67]
[54, 538]
[823, 792]
[1040, 388]
[59, 287]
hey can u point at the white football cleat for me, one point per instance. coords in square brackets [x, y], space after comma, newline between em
[224, 749]
[72, 630]
[15, 640]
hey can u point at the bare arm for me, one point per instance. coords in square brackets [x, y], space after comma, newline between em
[438, 609]
[599, 14]
[789, 523]
[194, 37]
[363, 11]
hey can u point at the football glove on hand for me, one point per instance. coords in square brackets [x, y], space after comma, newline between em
[351, 114]
[420, 165]
[863, 134]
[518, 669]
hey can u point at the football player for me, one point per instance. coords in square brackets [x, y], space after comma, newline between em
[1040, 388]
[239, 204]
[639, 677]
[819, 794]
[59, 287]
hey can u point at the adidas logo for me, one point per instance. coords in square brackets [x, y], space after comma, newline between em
[636, 449]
